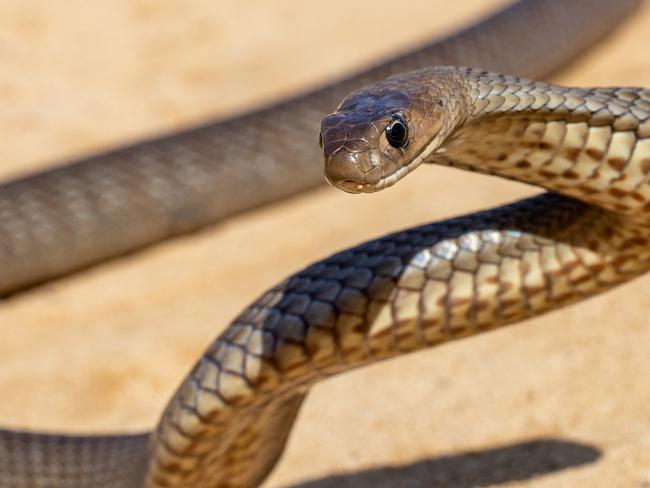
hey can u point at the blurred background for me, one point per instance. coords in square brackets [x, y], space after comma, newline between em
[557, 401]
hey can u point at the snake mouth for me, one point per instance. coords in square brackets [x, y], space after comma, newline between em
[394, 177]
[356, 187]
[351, 186]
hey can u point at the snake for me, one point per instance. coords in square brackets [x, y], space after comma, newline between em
[229, 420]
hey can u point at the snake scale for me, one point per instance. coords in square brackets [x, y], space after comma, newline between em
[229, 420]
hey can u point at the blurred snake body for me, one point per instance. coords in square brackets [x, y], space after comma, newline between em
[227, 424]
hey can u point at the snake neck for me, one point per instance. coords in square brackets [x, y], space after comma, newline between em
[592, 144]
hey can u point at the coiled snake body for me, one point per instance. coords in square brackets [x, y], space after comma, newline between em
[229, 420]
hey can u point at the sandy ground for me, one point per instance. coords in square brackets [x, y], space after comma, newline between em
[557, 401]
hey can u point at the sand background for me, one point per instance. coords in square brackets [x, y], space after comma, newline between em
[562, 400]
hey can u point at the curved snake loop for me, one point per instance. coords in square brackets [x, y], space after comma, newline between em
[431, 284]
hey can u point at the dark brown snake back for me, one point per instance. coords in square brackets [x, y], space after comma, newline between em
[67, 218]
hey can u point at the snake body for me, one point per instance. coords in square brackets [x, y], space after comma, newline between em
[228, 422]
[431, 284]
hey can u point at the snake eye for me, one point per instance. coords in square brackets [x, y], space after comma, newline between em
[397, 131]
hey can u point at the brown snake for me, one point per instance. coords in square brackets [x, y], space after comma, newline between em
[229, 421]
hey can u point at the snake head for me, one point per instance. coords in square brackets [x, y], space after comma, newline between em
[379, 133]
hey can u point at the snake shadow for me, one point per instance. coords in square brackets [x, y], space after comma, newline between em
[480, 468]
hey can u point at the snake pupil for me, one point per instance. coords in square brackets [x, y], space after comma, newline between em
[397, 132]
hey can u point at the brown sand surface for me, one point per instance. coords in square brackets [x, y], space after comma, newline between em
[556, 401]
